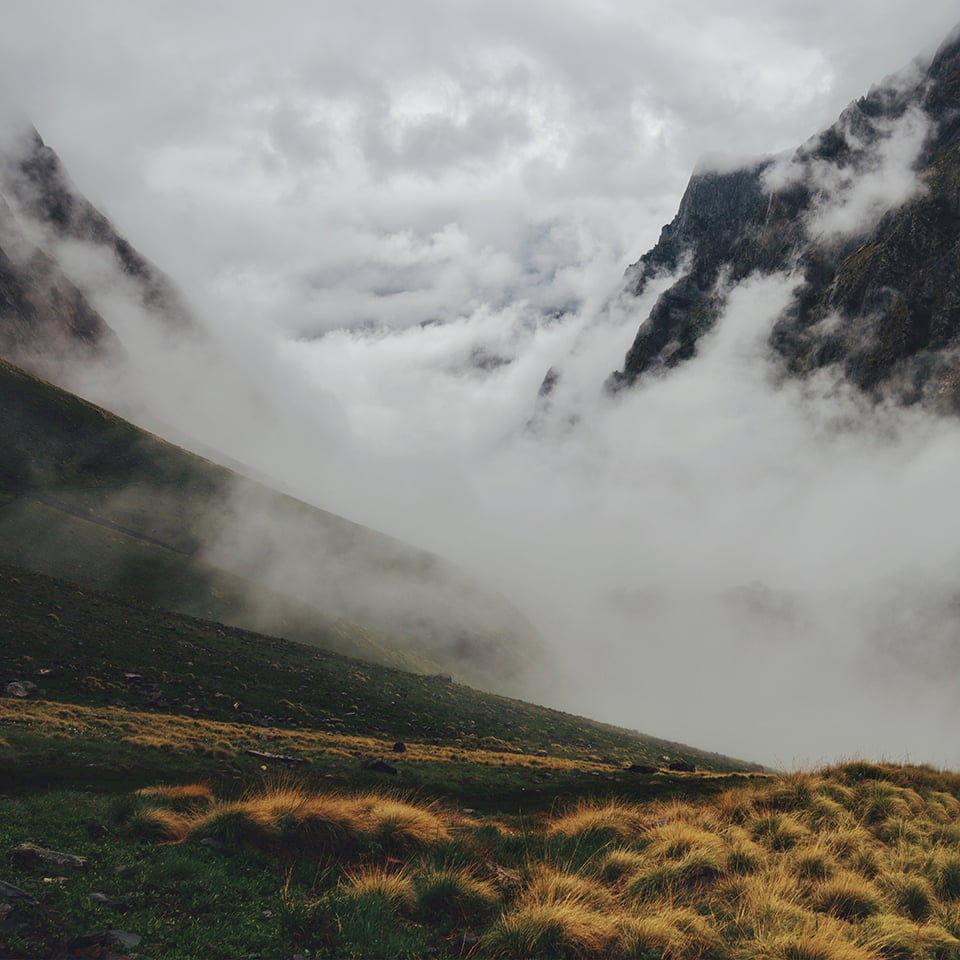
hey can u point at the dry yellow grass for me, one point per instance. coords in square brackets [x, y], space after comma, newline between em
[548, 885]
[166, 826]
[180, 734]
[625, 821]
[807, 868]
[673, 933]
[555, 929]
[396, 888]
[620, 863]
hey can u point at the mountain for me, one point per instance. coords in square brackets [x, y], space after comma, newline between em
[87, 496]
[44, 316]
[865, 214]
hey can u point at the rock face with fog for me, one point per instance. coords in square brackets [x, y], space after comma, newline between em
[45, 316]
[867, 214]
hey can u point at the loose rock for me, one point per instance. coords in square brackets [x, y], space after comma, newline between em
[30, 854]
[21, 689]
[9, 892]
[379, 765]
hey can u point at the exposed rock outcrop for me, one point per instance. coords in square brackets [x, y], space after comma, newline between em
[867, 213]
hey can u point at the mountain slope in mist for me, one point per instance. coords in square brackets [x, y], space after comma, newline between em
[866, 214]
[90, 497]
[100, 502]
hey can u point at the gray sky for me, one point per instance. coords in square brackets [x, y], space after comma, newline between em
[705, 555]
[316, 164]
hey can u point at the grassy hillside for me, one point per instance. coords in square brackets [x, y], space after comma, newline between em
[115, 660]
[88, 496]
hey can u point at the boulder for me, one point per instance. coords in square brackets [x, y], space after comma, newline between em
[21, 689]
[29, 854]
[379, 765]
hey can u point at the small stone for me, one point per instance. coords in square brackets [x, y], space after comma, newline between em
[112, 903]
[123, 939]
[399, 747]
[217, 846]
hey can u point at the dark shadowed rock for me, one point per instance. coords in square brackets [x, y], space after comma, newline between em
[682, 766]
[399, 747]
[379, 765]
[9, 892]
[29, 854]
[642, 768]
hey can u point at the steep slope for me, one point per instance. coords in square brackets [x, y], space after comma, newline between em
[92, 498]
[866, 214]
[100, 651]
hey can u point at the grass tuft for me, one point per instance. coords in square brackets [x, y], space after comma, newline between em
[556, 929]
[847, 897]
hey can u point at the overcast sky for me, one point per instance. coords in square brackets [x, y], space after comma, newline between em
[322, 179]
[318, 164]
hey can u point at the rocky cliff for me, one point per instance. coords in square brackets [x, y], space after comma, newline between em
[867, 214]
[44, 316]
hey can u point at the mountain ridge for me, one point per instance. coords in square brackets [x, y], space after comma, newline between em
[873, 302]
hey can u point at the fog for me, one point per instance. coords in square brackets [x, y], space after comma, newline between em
[751, 564]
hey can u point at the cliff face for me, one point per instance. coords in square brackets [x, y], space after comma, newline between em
[44, 316]
[867, 213]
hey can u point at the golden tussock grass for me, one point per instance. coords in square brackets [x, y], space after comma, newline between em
[396, 888]
[815, 945]
[549, 885]
[804, 868]
[165, 826]
[778, 831]
[847, 896]
[892, 936]
[672, 933]
[563, 928]
[621, 820]
[454, 894]
[184, 797]
[291, 820]
[673, 841]
[620, 863]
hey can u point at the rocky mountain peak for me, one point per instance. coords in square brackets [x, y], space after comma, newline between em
[866, 213]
